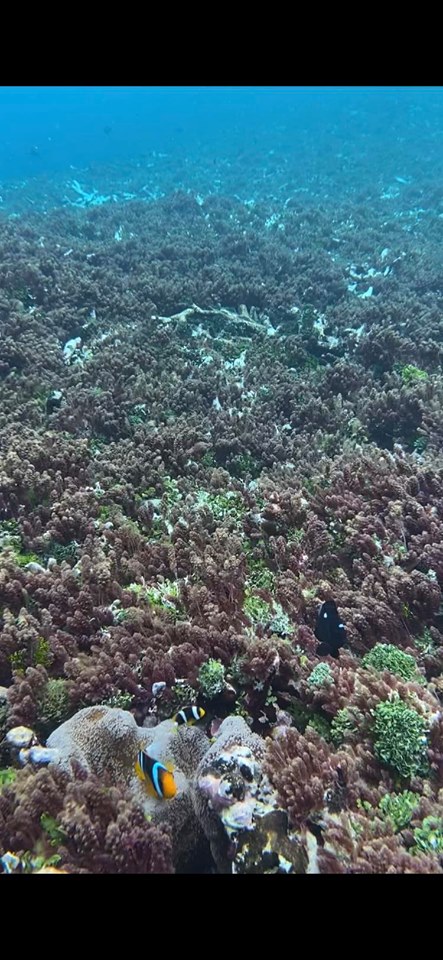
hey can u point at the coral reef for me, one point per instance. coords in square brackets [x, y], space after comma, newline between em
[215, 415]
[84, 824]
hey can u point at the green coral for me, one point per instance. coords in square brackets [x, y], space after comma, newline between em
[11, 527]
[96, 445]
[7, 776]
[182, 694]
[138, 588]
[243, 464]
[22, 559]
[161, 525]
[211, 678]
[125, 614]
[241, 710]
[385, 656]
[294, 535]
[398, 808]
[280, 622]
[18, 660]
[269, 615]
[171, 492]
[321, 725]
[256, 608]
[429, 837]
[308, 593]
[425, 642]
[162, 596]
[411, 374]
[400, 737]
[11, 540]
[259, 575]
[147, 494]
[208, 459]
[54, 832]
[121, 700]
[138, 414]
[38, 654]
[228, 504]
[420, 444]
[9, 531]
[303, 717]
[42, 653]
[236, 670]
[262, 579]
[343, 725]
[53, 706]
[321, 674]
[63, 551]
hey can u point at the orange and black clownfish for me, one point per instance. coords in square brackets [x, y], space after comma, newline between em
[157, 778]
[189, 715]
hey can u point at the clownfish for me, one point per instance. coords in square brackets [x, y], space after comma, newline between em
[157, 778]
[189, 715]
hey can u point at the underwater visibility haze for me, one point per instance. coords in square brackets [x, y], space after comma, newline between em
[221, 480]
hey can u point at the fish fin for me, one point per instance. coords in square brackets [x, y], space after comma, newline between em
[149, 787]
[324, 650]
[139, 772]
[169, 786]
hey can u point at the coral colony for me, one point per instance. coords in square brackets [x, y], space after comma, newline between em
[221, 538]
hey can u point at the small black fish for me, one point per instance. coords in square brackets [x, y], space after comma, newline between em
[329, 630]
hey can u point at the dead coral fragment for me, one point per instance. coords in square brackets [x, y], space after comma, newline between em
[270, 848]
[232, 796]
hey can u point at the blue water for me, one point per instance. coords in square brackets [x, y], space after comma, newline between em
[216, 138]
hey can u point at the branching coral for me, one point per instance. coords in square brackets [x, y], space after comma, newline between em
[98, 828]
[400, 737]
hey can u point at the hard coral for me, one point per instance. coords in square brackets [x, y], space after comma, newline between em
[400, 737]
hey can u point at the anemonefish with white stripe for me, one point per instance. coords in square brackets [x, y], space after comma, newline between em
[189, 715]
[157, 777]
